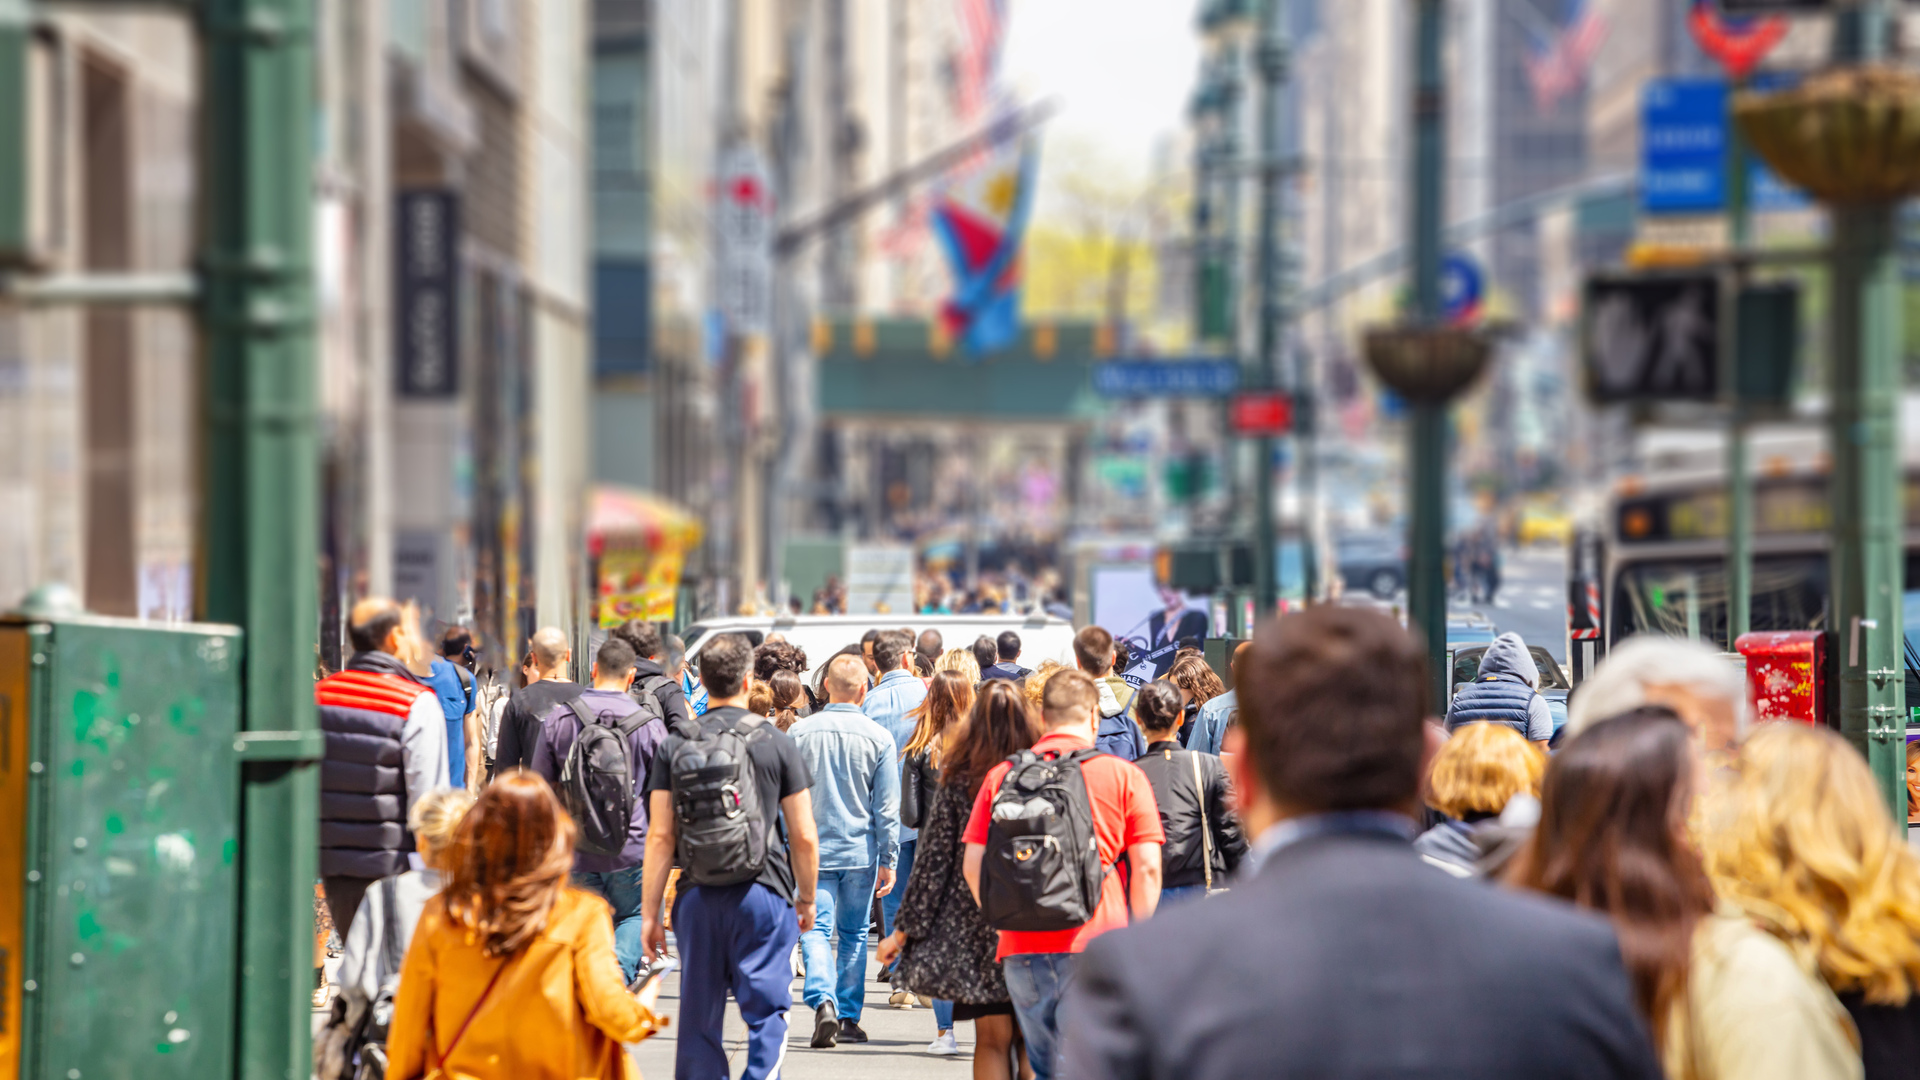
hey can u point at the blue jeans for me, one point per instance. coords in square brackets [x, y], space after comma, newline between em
[738, 938]
[1036, 982]
[1179, 894]
[457, 753]
[890, 903]
[621, 888]
[842, 902]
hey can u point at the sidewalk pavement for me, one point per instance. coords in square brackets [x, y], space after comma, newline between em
[898, 1047]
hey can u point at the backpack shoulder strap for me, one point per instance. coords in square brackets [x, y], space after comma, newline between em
[581, 713]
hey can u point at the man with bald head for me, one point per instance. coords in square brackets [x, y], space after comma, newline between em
[520, 722]
[386, 747]
[856, 806]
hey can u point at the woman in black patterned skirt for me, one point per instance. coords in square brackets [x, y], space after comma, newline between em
[945, 948]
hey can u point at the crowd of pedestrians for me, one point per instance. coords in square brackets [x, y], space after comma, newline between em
[1298, 870]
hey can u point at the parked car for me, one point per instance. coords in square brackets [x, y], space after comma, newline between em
[1042, 637]
[1376, 562]
[1554, 685]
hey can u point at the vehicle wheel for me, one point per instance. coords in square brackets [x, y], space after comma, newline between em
[1383, 584]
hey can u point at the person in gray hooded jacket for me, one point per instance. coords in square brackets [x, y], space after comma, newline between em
[1506, 691]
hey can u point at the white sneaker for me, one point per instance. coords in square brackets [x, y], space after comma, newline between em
[943, 1045]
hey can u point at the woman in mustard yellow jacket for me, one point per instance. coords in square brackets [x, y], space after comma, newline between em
[511, 974]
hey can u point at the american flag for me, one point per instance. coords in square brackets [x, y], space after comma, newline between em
[983, 25]
[1559, 64]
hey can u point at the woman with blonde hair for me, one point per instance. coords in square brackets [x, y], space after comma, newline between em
[1806, 849]
[962, 661]
[1036, 684]
[1723, 1000]
[512, 973]
[1475, 775]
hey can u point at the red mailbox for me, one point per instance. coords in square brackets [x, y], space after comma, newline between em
[1786, 674]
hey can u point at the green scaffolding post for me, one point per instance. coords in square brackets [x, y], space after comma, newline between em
[262, 488]
[1427, 447]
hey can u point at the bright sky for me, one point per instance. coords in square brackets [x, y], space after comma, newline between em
[1121, 69]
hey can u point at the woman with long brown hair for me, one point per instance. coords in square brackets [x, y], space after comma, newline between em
[512, 973]
[1197, 685]
[1724, 1000]
[944, 947]
[949, 696]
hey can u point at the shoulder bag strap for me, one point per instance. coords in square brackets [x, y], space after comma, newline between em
[440, 1059]
[1206, 831]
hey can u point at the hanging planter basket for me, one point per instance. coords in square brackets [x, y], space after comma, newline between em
[1847, 136]
[1428, 364]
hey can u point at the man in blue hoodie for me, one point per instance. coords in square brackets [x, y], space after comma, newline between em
[1505, 692]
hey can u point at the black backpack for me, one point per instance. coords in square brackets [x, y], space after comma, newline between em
[1043, 869]
[716, 801]
[599, 778]
[646, 694]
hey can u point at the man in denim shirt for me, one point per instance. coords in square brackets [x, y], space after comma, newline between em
[890, 704]
[856, 806]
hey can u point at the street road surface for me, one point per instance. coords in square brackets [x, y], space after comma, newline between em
[1533, 598]
[898, 1047]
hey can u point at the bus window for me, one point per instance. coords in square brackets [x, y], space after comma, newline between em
[1688, 598]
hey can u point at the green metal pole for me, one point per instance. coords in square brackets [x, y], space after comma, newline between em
[16, 24]
[1867, 563]
[1427, 451]
[262, 484]
[1273, 62]
[1739, 482]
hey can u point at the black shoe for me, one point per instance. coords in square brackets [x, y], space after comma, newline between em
[850, 1032]
[884, 975]
[826, 1027]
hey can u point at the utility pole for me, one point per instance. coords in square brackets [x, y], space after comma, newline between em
[1864, 440]
[1276, 284]
[1739, 483]
[1427, 451]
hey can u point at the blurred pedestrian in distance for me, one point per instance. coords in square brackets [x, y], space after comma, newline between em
[1505, 691]
[1724, 1000]
[527, 708]
[931, 644]
[508, 972]
[1197, 685]
[1035, 684]
[386, 748]
[1115, 731]
[1123, 651]
[1326, 762]
[1204, 842]
[1477, 773]
[1216, 714]
[891, 704]
[452, 681]
[959, 660]
[781, 699]
[984, 654]
[1186, 652]
[1006, 663]
[1805, 848]
[855, 768]
[1040, 964]
[772, 656]
[1690, 678]
[867, 642]
[382, 930]
[650, 676]
[940, 945]
[922, 665]
[609, 860]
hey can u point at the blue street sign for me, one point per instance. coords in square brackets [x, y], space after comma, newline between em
[1683, 146]
[1462, 288]
[1166, 378]
[1683, 151]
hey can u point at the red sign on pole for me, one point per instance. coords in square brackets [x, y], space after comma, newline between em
[1259, 413]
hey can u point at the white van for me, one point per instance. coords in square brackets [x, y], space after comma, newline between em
[1042, 637]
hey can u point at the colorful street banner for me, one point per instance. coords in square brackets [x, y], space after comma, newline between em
[980, 220]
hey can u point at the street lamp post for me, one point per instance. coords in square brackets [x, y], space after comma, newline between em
[1845, 136]
[1275, 288]
[1427, 450]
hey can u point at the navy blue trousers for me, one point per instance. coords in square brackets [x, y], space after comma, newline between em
[739, 938]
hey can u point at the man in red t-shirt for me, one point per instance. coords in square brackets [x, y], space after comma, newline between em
[1126, 821]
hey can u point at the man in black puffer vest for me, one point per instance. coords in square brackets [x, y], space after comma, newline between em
[1504, 693]
[386, 747]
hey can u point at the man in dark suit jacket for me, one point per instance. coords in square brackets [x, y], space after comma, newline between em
[1185, 622]
[1339, 953]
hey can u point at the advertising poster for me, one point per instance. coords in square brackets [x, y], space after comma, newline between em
[1151, 620]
